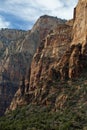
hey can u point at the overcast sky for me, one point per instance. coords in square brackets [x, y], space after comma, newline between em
[22, 14]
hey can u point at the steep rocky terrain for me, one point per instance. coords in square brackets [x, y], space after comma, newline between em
[53, 90]
[60, 57]
[17, 48]
[48, 54]
[8, 37]
[69, 60]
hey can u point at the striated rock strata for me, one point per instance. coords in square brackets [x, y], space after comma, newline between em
[49, 53]
[17, 48]
[61, 56]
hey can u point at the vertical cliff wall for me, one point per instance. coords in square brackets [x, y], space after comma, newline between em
[61, 56]
[17, 50]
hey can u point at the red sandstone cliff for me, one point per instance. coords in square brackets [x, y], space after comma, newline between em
[61, 56]
[16, 51]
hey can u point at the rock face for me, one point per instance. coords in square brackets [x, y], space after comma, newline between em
[62, 55]
[45, 28]
[78, 49]
[8, 85]
[47, 56]
[16, 51]
[80, 23]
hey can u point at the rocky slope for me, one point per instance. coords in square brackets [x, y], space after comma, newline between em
[8, 37]
[60, 57]
[17, 49]
[67, 112]
[54, 92]
[48, 54]
[76, 60]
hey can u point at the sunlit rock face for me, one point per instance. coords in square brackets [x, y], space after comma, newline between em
[73, 61]
[80, 23]
[79, 54]
[68, 50]
[61, 56]
[17, 48]
[47, 56]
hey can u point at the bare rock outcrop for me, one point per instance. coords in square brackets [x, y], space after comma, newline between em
[17, 57]
[61, 56]
[78, 48]
[47, 56]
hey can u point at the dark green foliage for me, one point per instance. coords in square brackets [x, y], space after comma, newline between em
[72, 116]
[41, 118]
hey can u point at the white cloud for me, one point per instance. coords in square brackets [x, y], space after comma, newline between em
[3, 23]
[49, 4]
[30, 10]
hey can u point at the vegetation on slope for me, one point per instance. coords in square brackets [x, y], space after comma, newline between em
[72, 116]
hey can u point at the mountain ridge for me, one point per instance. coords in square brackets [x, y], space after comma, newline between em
[59, 57]
[52, 93]
[17, 50]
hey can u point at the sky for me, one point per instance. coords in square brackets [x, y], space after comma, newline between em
[22, 14]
